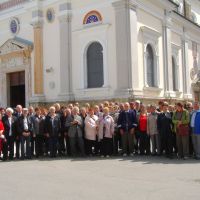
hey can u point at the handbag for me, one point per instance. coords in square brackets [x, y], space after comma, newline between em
[183, 130]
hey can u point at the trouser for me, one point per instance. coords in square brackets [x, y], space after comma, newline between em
[196, 144]
[174, 144]
[182, 145]
[136, 141]
[89, 144]
[61, 142]
[27, 140]
[46, 145]
[67, 140]
[166, 144]
[191, 149]
[155, 143]
[127, 142]
[17, 146]
[39, 141]
[53, 145]
[107, 146]
[77, 142]
[117, 141]
[33, 145]
[8, 146]
[144, 143]
[1, 145]
[97, 147]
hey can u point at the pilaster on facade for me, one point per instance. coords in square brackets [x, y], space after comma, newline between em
[65, 12]
[167, 55]
[37, 23]
[126, 43]
[65, 19]
[185, 64]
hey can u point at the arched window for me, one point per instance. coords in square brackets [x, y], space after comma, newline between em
[174, 74]
[150, 66]
[95, 77]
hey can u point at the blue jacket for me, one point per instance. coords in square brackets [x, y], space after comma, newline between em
[126, 123]
[197, 123]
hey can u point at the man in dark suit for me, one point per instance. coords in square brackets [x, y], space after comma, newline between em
[10, 130]
[52, 130]
[25, 129]
[164, 124]
[127, 123]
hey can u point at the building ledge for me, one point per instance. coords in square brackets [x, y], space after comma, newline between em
[186, 19]
[152, 89]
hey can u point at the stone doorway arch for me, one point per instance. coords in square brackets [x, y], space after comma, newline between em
[15, 56]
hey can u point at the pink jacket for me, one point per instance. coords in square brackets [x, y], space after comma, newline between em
[107, 123]
[90, 127]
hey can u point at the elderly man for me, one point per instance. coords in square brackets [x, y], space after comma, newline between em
[195, 125]
[17, 114]
[53, 128]
[127, 122]
[31, 116]
[75, 133]
[25, 129]
[164, 125]
[38, 131]
[10, 130]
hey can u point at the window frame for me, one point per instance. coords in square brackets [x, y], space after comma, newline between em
[151, 37]
[175, 55]
[86, 65]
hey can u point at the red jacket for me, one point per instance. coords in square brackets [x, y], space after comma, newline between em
[1, 140]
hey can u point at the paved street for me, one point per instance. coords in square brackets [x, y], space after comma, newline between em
[138, 178]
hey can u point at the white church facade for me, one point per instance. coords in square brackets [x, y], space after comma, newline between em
[88, 50]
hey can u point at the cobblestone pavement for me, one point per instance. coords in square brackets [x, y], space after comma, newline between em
[134, 178]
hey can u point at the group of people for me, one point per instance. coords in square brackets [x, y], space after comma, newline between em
[104, 130]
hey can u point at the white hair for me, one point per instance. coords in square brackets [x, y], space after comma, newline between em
[52, 108]
[76, 109]
[10, 110]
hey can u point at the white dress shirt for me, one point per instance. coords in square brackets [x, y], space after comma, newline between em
[10, 123]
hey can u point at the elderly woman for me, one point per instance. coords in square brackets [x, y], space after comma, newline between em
[117, 137]
[75, 133]
[152, 130]
[106, 132]
[91, 130]
[144, 142]
[66, 120]
[181, 128]
[2, 137]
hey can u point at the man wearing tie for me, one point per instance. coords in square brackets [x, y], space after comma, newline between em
[127, 122]
[25, 129]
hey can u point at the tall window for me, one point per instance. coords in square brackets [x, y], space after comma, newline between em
[150, 66]
[174, 74]
[95, 78]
